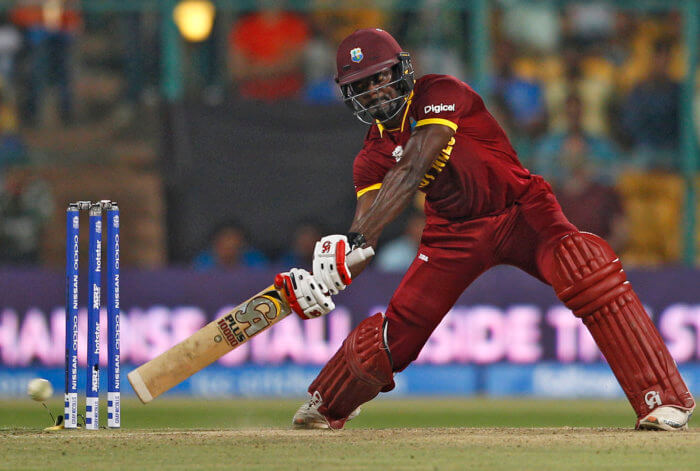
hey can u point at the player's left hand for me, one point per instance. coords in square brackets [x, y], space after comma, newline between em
[307, 296]
[329, 264]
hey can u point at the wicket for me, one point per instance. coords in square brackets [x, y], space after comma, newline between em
[92, 401]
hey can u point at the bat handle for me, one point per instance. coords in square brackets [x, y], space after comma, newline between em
[359, 255]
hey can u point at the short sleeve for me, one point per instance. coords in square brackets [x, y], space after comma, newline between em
[444, 100]
[367, 175]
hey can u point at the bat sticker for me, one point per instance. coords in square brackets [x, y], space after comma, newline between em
[251, 318]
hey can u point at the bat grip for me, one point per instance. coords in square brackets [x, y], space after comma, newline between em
[359, 255]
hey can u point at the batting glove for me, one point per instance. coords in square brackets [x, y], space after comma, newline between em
[307, 296]
[329, 264]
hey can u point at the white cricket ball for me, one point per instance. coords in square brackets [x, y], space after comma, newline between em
[39, 389]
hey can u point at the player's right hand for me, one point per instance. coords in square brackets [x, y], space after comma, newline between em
[307, 296]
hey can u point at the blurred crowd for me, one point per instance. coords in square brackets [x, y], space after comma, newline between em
[588, 93]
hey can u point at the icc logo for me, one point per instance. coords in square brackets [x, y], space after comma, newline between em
[651, 398]
[356, 54]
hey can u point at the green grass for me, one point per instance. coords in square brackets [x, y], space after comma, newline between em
[427, 434]
[381, 413]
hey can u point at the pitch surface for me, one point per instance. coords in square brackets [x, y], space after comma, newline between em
[426, 434]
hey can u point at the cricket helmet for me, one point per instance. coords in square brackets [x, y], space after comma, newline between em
[367, 52]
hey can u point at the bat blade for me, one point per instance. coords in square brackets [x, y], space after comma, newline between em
[208, 344]
[217, 338]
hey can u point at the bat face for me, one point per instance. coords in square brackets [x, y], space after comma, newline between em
[208, 344]
[217, 338]
[251, 317]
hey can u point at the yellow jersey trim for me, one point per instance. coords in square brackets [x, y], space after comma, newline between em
[376, 186]
[381, 127]
[405, 113]
[444, 122]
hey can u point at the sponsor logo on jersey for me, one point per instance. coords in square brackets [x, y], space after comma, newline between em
[422, 256]
[356, 55]
[398, 153]
[438, 108]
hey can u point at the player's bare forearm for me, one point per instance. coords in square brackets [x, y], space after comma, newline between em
[397, 190]
[401, 182]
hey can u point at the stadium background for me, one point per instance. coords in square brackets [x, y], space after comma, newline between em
[105, 99]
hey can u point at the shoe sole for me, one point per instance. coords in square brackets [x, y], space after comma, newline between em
[653, 424]
[309, 425]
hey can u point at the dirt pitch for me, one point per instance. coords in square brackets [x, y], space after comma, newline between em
[397, 449]
[417, 434]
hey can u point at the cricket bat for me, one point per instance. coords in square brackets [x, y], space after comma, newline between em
[217, 338]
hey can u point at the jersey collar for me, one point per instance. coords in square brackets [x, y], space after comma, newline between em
[381, 127]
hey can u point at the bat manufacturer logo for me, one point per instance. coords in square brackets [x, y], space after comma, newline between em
[249, 319]
[326, 247]
[257, 314]
[230, 330]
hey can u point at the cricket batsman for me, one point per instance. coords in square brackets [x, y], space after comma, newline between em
[483, 208]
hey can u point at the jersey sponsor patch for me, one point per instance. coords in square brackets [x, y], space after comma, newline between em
[398, 153]
[438, 108]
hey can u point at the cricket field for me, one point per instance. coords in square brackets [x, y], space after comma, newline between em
[390, 434]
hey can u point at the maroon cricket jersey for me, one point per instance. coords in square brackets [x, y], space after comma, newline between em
[476, 174]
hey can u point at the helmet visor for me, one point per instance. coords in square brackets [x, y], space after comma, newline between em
[381, 108]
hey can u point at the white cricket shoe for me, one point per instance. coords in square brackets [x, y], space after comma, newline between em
[308, 416]
[666, 418]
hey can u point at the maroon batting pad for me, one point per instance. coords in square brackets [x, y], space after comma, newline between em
[359, 370]
[589, 279]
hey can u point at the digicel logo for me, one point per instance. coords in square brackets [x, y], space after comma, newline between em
[438, 108]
